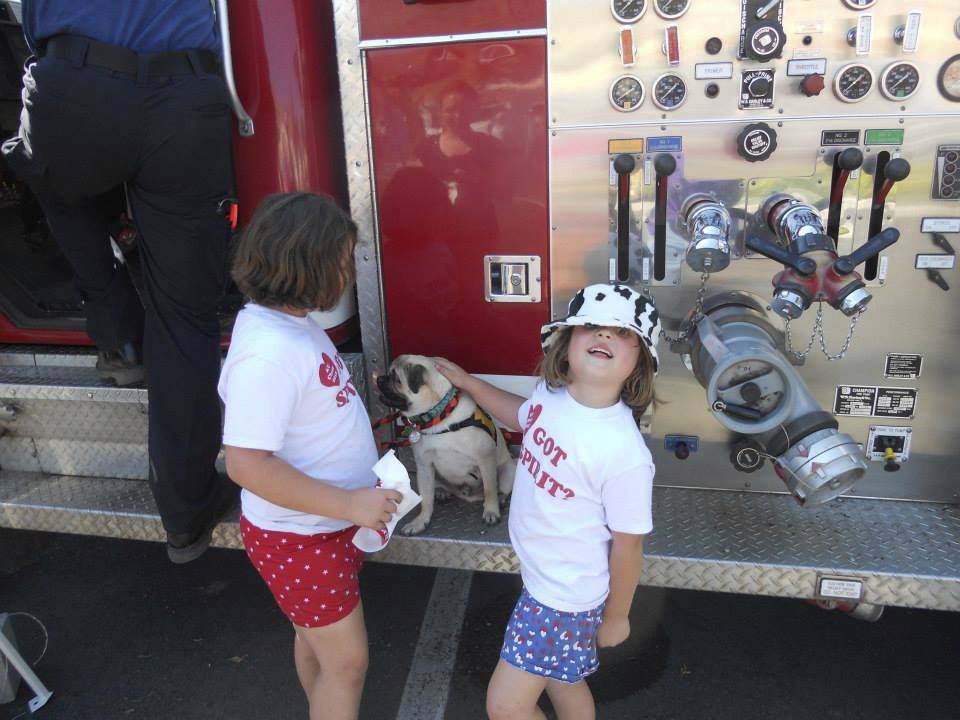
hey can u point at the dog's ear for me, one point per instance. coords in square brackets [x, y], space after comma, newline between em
[416, 377]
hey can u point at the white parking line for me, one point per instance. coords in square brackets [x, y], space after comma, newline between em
[428, 681]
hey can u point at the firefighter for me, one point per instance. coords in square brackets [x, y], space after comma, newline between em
[132, 93]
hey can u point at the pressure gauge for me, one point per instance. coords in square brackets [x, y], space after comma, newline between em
[671, 9]
[900, 81]
[859, 4]
[669, 91]
[853, 82]
[626, 93]
[628, 11]
[948, 79]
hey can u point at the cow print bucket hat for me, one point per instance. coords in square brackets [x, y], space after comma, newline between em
[611, 306]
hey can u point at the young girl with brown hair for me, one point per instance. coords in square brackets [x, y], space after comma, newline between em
[297, 438]
[581, 499]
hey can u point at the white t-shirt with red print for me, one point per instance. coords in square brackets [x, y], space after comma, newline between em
[583, 472]
[287, 390]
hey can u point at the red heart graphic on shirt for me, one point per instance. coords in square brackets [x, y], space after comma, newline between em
[532, 414]
[329, 374]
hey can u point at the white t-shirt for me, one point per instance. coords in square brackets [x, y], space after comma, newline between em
[287, 390]
[583, 472]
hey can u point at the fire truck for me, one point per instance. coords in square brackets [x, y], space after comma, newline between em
[782, 176]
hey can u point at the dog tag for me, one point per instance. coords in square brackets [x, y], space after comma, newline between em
[414, 436]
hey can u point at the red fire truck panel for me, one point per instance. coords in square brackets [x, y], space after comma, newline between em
[459, 139]
[287, 81]
[398, 19]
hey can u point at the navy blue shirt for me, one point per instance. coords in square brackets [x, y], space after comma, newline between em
[144, 26]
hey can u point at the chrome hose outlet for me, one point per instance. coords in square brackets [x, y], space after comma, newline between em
[707, 223]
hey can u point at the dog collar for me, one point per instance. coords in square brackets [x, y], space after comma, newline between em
[436, 414]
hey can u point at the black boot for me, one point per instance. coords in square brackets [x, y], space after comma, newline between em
[124, 365]
[185, 547]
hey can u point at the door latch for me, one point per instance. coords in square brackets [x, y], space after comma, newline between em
[511, 278]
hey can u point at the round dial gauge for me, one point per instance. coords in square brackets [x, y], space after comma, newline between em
[859, 4]
[670, 9]
[669, 91]
[626, 93]
[853, 82]
[628, 11]
[948, 79]
[900, 81]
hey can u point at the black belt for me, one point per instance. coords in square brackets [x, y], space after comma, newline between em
[85, 51]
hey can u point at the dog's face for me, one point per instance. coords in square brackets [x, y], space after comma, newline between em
[412, 385]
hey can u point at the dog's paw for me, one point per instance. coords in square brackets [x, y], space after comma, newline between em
[415, 526]
[491, 516]
[504, 499]
[441, 495]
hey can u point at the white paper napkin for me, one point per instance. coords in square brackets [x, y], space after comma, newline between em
[393, 476]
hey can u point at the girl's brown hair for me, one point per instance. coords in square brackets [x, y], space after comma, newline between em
[637, 392]
[297, 251]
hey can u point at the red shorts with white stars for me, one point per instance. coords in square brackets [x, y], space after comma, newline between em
[313, 578]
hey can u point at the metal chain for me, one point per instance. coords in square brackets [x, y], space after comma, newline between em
[695, 317]
[846, 343]
[813, 337]
[817, 334]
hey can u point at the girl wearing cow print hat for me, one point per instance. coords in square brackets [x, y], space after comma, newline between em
[581, 501]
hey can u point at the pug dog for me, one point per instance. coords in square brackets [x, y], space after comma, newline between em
[463, 453]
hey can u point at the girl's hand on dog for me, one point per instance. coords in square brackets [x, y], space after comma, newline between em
[452, 372]
[613, 631]
[372, 507]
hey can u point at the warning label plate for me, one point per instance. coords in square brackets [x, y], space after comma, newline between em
[895, 402]
[903, 366]
[870, 401]
[854, 400]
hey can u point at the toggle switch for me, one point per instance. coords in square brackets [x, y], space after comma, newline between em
[908, 35]
[628, 49]
[861, 36]
[671, 45]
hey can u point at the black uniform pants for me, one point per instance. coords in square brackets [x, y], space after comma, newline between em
[85, 130]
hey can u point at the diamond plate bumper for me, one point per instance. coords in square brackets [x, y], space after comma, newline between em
[905, 553]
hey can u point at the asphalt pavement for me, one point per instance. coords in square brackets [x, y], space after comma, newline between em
[133, 636]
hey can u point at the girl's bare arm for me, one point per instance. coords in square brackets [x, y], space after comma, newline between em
[503, 405]
[626, 561]
[267, 476]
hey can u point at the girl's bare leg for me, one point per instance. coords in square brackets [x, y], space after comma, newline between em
[307, 666]
[572, 701]
[512, 694]
[341, 653]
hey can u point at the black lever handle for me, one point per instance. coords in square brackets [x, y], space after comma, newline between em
[623, 164]
[941, 242]
[850, 159]
[740, 411]
[803, 265]
[893, 172]
[874, 246]
[664, 164]
[937, 279]
[896, 170]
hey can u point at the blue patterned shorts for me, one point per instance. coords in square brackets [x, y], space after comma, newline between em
[552, 643]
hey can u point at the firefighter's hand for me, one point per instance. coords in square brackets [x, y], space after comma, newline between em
[613, 631]
[452, 372]
[372, 507]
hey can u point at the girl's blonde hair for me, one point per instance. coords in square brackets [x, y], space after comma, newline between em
[637, 392]
[295, 252]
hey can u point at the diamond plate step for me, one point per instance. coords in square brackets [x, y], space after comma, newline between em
[905, 553]
[44, 355]
[58, 417]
